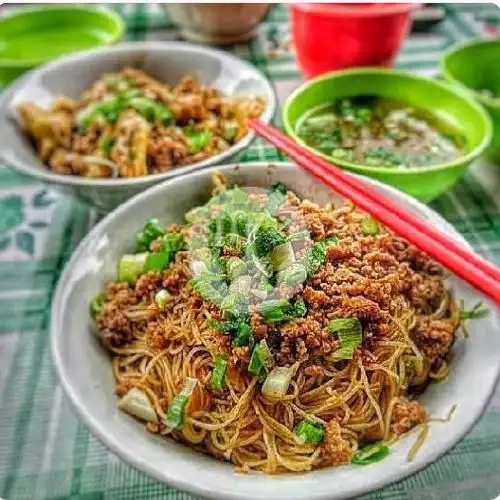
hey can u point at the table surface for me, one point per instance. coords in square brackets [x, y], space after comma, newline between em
[45, 451]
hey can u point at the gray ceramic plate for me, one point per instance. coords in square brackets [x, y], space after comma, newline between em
[71, 75]
[85, 370]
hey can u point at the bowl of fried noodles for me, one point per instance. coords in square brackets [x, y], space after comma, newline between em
[243, 332]
[110, 122]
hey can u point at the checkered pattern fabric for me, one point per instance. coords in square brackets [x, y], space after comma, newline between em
[45, 451]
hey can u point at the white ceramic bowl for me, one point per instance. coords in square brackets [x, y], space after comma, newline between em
[71, 75]
[84, 366]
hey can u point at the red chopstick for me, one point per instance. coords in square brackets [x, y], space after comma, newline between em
[473, 269]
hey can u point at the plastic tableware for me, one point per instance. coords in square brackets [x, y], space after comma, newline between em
[337, 36]
[29, 37]
[475, 67]
[451, 104]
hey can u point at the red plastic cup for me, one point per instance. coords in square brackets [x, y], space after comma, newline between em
[335, 36]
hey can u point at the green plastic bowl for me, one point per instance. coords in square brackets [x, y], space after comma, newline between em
[451, 104]
[476, 66]
[30, 37]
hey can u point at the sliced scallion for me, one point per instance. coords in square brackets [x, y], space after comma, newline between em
[350, 334]
[157, 261]
[162, 297]
[277, 382]
[370, 454]
[176, 409]
[131, 266]
[275, 310]
[309, 431]
[260, 359]
[370, 226]
[219, 372]
[96, 304]
[243, 335]
[137, 404]
[282, 256]
[292, 275]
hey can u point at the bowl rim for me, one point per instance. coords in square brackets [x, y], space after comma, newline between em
[43, 173]
[373, 10]
[184, 484]
[390, 72]
[104, 12]
[447, 74]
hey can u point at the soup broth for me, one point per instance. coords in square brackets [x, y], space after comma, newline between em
[380, 132]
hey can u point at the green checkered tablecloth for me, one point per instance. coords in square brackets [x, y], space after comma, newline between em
[45, 451]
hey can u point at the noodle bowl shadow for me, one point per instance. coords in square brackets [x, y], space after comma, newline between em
[84, 366]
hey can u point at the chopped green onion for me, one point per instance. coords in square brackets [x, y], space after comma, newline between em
[299, 308]
[260, 359]
[146, 107]
[198, 140]
[131, 266]
[309, 431]
[229, 133]
[162, 297]
[152, 230]
[275, 310]
[157, 261]
[173, 242]
[141, 245]
[350, 333]
[316, 256]
[236, 267]
[477, 312]
[137, 404]
[370, 454]
[277, 382]
[296, 274]
[106, 144]
[96, 304]
[282, 256]
[243, 335]
[219, 372]
[176, 409]
[370, 226]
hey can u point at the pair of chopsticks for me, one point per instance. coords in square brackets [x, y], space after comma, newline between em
[467, 265]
